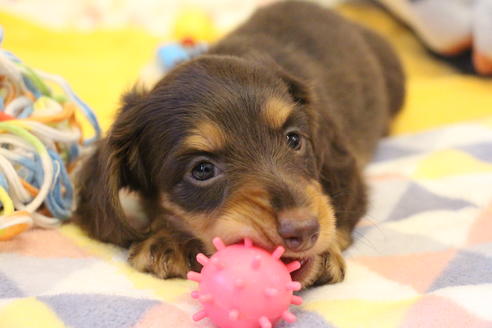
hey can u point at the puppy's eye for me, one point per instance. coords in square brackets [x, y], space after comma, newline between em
[203, 171]
[294, 140]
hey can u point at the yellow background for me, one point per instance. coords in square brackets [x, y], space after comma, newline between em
[101, 65]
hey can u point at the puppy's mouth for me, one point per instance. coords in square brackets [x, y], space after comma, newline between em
[301, 274]
[304, 271]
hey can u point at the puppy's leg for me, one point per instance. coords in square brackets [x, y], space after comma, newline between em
[332, 264]
[342, 181]
[332, 267]
[166, 253]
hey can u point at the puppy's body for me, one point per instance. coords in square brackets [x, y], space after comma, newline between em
[262, 137]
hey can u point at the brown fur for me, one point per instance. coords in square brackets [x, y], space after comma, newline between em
[293, 66]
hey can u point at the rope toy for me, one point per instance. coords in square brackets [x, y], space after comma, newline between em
[40, 140]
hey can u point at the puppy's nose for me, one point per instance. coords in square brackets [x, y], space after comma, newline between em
[298, 228]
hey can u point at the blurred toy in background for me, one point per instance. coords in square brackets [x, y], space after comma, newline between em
[451, 27]
[41, 139]
[194, 24]
[194, 29]
[157, 17]
[171, 54]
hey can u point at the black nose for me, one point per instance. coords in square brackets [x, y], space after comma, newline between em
[298, 228]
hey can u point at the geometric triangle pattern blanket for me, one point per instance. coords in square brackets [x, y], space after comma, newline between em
[422, 256]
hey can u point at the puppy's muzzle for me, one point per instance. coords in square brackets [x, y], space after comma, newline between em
[298, 228]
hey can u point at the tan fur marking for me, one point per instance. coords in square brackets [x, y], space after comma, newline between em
[248, 213]
[333, 268]
[336, 265]
[207, 136]
[321, 205]
[275, 112]
[193, 223]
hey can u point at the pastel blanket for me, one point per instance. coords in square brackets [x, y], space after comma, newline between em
[422, 255]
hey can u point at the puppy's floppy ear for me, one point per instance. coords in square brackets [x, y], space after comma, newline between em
[125, 141]
[115, 164]
[341, 175]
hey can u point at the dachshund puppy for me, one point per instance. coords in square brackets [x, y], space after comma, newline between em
[264, 136]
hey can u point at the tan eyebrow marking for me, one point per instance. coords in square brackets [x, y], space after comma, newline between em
[206, 136]
[276, 111]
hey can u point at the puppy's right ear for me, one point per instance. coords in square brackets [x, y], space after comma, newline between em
[114, 165]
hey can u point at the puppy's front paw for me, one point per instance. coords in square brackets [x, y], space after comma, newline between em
[159, 256]
[332, 268]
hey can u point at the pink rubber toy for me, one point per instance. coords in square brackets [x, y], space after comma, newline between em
[243, 286]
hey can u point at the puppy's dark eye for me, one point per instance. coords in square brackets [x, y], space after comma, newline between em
[294, 140]
[203, 171]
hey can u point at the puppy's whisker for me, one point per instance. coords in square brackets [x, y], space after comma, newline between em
[370, 218]
[360, 238]
[340, 193]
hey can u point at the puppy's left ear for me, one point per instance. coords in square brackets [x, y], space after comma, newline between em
[124, 137]
[341, 175]
[116, 164]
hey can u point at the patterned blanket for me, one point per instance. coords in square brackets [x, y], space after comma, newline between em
[422, 256]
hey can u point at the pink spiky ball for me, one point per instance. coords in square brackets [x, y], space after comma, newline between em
[243, 286]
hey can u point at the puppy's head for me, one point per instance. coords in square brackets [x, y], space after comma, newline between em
[230, 148]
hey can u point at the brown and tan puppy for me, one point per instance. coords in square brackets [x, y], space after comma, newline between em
[264, 136]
